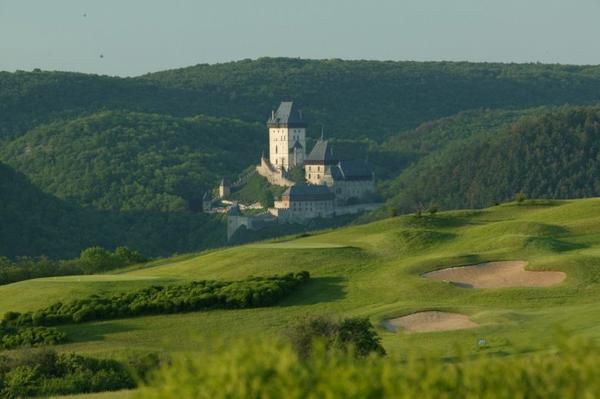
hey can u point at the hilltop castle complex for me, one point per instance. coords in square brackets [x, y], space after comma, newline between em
[332, 184]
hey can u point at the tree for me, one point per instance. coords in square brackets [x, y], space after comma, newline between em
[433, 208]
[520, 197]
[97, 259]
[355, 333]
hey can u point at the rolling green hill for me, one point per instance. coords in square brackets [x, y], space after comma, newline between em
[371, 270]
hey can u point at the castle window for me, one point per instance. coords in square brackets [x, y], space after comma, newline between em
[275, 149]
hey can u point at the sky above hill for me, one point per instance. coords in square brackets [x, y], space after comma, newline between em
[132, 37]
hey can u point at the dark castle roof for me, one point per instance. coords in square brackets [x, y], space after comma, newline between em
[321, 154]
[351, 170]
[306, 192]
[287, 115]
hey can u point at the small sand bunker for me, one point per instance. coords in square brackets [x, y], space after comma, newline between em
[497, 275]
[430, 321]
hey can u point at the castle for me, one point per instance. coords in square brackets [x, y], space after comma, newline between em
[332, 184]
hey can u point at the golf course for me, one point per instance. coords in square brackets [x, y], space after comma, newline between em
[380, 271]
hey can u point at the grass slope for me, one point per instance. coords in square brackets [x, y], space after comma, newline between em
[372, 270]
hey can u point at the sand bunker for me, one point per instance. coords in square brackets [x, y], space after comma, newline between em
[430, 321]
[497, 275]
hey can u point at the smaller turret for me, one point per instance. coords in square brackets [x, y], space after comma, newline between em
[224, 188]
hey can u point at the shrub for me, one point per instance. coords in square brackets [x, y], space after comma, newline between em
[356, 334]
[433, 209]
[45, 373]
[520, 197]
[15, 337]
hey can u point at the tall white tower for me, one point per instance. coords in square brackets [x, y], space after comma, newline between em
[287, 137]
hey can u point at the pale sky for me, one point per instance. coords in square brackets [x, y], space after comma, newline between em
[139, 36]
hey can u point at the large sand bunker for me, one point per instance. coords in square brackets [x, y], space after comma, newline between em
[497, 275]
[430, 321]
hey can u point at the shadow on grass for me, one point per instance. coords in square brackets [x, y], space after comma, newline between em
[318, 290]
[94, 331]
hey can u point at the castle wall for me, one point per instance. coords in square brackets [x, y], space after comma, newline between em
[346, 189]
[273, 175]
[316, 174]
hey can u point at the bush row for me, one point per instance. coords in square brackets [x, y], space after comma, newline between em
[46, 373]
[13, 337]
[197, 295]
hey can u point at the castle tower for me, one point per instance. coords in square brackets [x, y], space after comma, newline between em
[287, 137]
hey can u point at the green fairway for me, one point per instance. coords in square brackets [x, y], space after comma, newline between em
[297, 245]
[101, 395]
[370, 270]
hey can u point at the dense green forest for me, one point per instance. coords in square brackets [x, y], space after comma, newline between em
[130, 161]
[35, 223]
[351, 98]
[97, 160]
[553, 153]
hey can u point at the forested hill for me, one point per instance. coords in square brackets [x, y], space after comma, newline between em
[35, 223]
[126, 161]
[351, 99]
[552, 153]
[377, 98]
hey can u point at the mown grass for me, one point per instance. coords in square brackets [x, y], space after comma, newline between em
[371, 270]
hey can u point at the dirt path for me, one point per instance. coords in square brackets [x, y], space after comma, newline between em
[497, 275]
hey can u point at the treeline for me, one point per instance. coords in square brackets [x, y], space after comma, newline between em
[91, 260]
[47, 373]
[553, 153]
[197, 295]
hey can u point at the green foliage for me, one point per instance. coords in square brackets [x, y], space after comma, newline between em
[197, 295]
[256, 188]
[355, 334]
[126, 161]
[45, 372]
[551, 154]
[16, 337]
[414, 92]
[432, 209]
[91, 260]
[34, 223]
[272, 370]
[520, 197]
